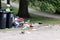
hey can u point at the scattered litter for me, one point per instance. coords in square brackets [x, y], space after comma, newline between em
[49, 26]
[27, 22]
[28, 32]
[25, 32]
[26, 25]
[36, 25]
[34, 29]
[22, 32]
[25, 28]
[19, 22]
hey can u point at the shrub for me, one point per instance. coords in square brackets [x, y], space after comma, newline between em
[46, 7]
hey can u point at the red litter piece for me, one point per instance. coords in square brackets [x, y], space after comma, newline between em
[21, 19]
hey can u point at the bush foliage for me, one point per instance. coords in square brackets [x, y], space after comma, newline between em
[50, 6]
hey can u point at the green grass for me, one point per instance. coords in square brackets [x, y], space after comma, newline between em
[44, 20]
[36, 18]
[16, 1]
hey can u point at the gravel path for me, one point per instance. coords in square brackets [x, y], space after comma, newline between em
[36, 12]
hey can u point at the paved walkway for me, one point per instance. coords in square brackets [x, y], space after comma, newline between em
[45, 33]
[36, 12]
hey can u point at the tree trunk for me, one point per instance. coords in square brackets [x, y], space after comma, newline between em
[0, 4]
[23, 9]
[8, 1]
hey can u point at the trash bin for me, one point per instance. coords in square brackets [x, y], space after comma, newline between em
[3, 19]
[0, 18]
[9, 19]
